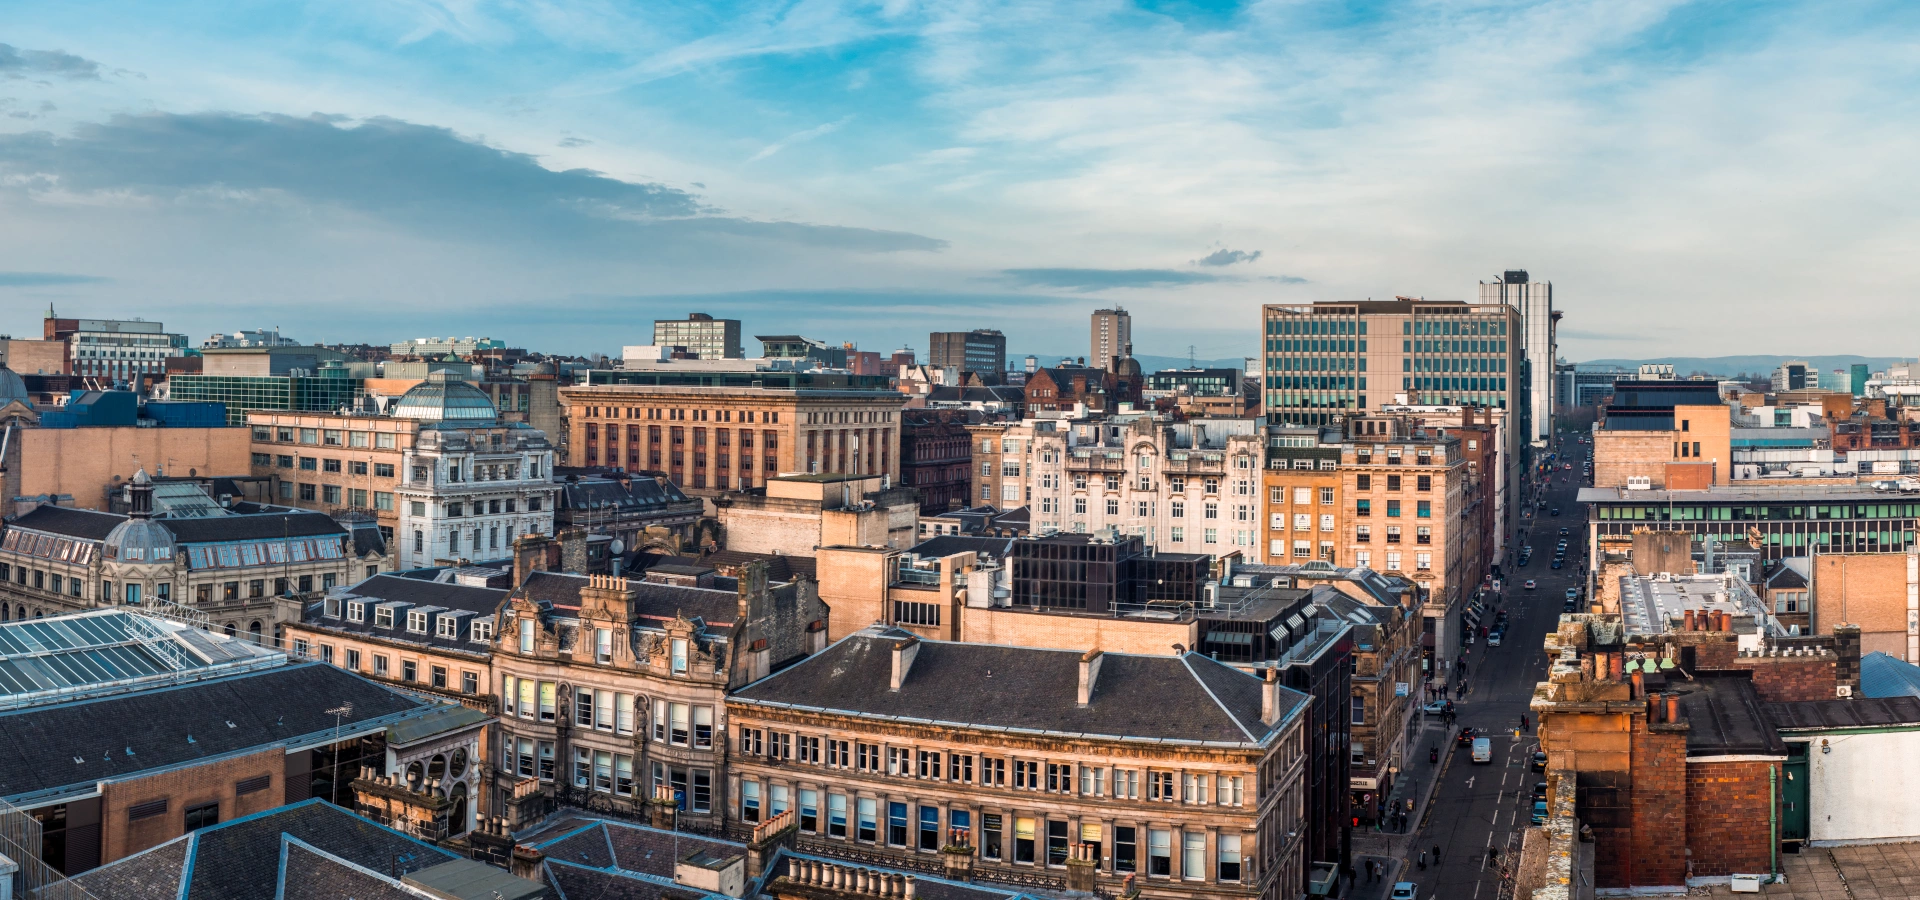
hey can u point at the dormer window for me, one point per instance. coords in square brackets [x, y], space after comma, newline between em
[330, 608]
[383, 617]
[679, 651]
[448, 627]
[481, 631]
[417, 622]
[356, 611]
[603, 645]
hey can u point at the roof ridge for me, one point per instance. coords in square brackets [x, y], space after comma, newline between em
[287, 840]
[1202, 682]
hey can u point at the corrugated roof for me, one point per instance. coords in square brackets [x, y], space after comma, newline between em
[1883, 676]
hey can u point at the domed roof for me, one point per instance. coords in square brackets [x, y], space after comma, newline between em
[1129, 367]
[12, 387]
[140, 540]
[444, 398]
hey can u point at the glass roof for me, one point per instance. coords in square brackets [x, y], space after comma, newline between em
[73, 653]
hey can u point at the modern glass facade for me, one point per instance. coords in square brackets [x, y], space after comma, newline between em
[1782, 527]
[267, 393]
[1319, 359]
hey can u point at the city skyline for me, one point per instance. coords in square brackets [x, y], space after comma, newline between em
[846, 171]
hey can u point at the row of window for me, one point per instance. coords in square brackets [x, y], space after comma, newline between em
[1422, 561]
[680, 415]
[335, 495]
[1199, 788]
[1147, 509]
[74, 586]
[1240, 537]
[1364, 482]
[1423, 509]
[1364, 533]
[326, 437]
[919, 827]
[436, 676]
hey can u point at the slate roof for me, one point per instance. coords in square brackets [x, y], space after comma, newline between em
[1855, 713]
[1883, 676]
[1785, 578]
[79, 523]
[250, 858]
[640, 494]
[429, 593]
[241, 528]
[780, 567]
[39, 745]
[1186, 698]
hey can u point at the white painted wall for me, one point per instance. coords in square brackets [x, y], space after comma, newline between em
[1858, 791]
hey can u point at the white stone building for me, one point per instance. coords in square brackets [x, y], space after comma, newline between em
[470, 484]
[1188, 487]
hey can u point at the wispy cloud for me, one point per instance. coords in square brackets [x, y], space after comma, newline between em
[1104, 279]
[18, 63]
[1225, 257]
[45, 279]
[799, 137]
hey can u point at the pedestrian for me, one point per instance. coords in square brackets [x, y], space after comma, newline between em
[1436, 854]
[1423, 860]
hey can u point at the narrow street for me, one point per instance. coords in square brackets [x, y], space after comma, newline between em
[1478, 806]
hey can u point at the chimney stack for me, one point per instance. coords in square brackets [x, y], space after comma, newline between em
[903, 653]
[1673, 707]
[529, 556]
[1690, 622]
[1270, 698]
[1089, 672]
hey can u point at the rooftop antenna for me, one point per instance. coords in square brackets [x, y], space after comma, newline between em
[1190, 362]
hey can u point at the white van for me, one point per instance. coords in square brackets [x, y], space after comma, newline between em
[1482, 750]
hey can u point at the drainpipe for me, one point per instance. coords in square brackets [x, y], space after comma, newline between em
[1773, 825]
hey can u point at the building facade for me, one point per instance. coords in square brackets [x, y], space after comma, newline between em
[1304, 511]
[1328, 360]
[936, 458]
[880, 753]
[982, 351]
[717, 438]
[1109, 337]
[701, 334]
[1539, 341]
[467, 478]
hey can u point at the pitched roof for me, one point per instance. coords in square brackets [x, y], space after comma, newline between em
[1170, 698]
[1785, 578]
[52, 746]
[1725, 717]
[949, 544]
[309, 849]
[258, 527]
[1883, 676]
[429, 593]
[652, 601]
[79, 523]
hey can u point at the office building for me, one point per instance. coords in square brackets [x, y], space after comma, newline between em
[796, 347]
[1796, 375]
[467, 478]
[1538, 344]
[1111, 337]
[982, 351]
[1328, 360]
[711, 433]
[114, 349]
[701, 334]
[1153, 770]
[1305, 514]
[441, 347]
[1587, 385]
[249, 337]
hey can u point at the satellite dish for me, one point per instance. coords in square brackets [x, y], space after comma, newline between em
[618, 547]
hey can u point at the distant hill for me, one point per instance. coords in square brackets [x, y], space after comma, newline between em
[1752, 365]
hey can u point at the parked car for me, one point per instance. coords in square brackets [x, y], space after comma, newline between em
[1559, 562]
[1573, 593]
[1539, 760]
[1530, 585]
[1405, 890]
[1493, 640]
[1539, 790]
[1435, 708]
[1539, 812]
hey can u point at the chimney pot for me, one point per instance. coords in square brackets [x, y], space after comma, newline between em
[1673, 707]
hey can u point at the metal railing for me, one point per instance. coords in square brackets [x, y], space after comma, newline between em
[20, 841]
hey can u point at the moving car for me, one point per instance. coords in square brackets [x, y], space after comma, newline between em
[1564, 532]
[1554, 511]
[1465, 736]
[1435, 708]
[1530, 585]
[1493, 640]
[1482, 750]
[1405, 890]
[1559, 562]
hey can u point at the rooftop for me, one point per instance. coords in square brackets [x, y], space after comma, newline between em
[1725, 717]
[1650, 604]
[1748, 492]
[1884, 676]
[1176, 699]
[111, 651]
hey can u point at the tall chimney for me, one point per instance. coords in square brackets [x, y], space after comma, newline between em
[1089, 672]
[1690, 623]
[529, 556]
[1270, 698]
[1673, 707]
[573, 550]
[903, 653]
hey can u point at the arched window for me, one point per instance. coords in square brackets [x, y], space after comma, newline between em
[253, 632]
[229, 629]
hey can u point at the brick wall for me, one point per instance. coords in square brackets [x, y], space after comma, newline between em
[1728, 817]
[184, 789]
[1659, 807]
[1786, 678]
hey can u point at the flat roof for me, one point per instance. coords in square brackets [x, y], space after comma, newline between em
[1782, 493]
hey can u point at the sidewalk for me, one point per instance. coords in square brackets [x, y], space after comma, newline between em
[1422, 786]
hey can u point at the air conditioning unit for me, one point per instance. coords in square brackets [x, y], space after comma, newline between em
[1746, 884]
[1844, 690]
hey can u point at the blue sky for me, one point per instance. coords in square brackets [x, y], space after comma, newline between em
[1690, 175]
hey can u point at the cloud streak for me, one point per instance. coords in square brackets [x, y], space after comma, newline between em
[45, 279]
[416, 177]
[1088, 280]
[18, 63]
[1225, 257]
[799, 137]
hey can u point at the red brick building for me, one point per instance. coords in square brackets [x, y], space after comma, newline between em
[936, 457]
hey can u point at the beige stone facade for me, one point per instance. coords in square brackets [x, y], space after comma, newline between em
[89, 463]
[794, 515]
[326, 461]
[710, 440]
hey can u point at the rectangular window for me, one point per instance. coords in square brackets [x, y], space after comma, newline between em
[1193, 855]
[201, 816]
[1056, 842]
[867, 822]
[749, 801]
[989, 836]
[1124, 847]
[897, 824]
[809, 811]
[1159, 852]
[837, 815]
[1023, 840]
[1229, 864]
